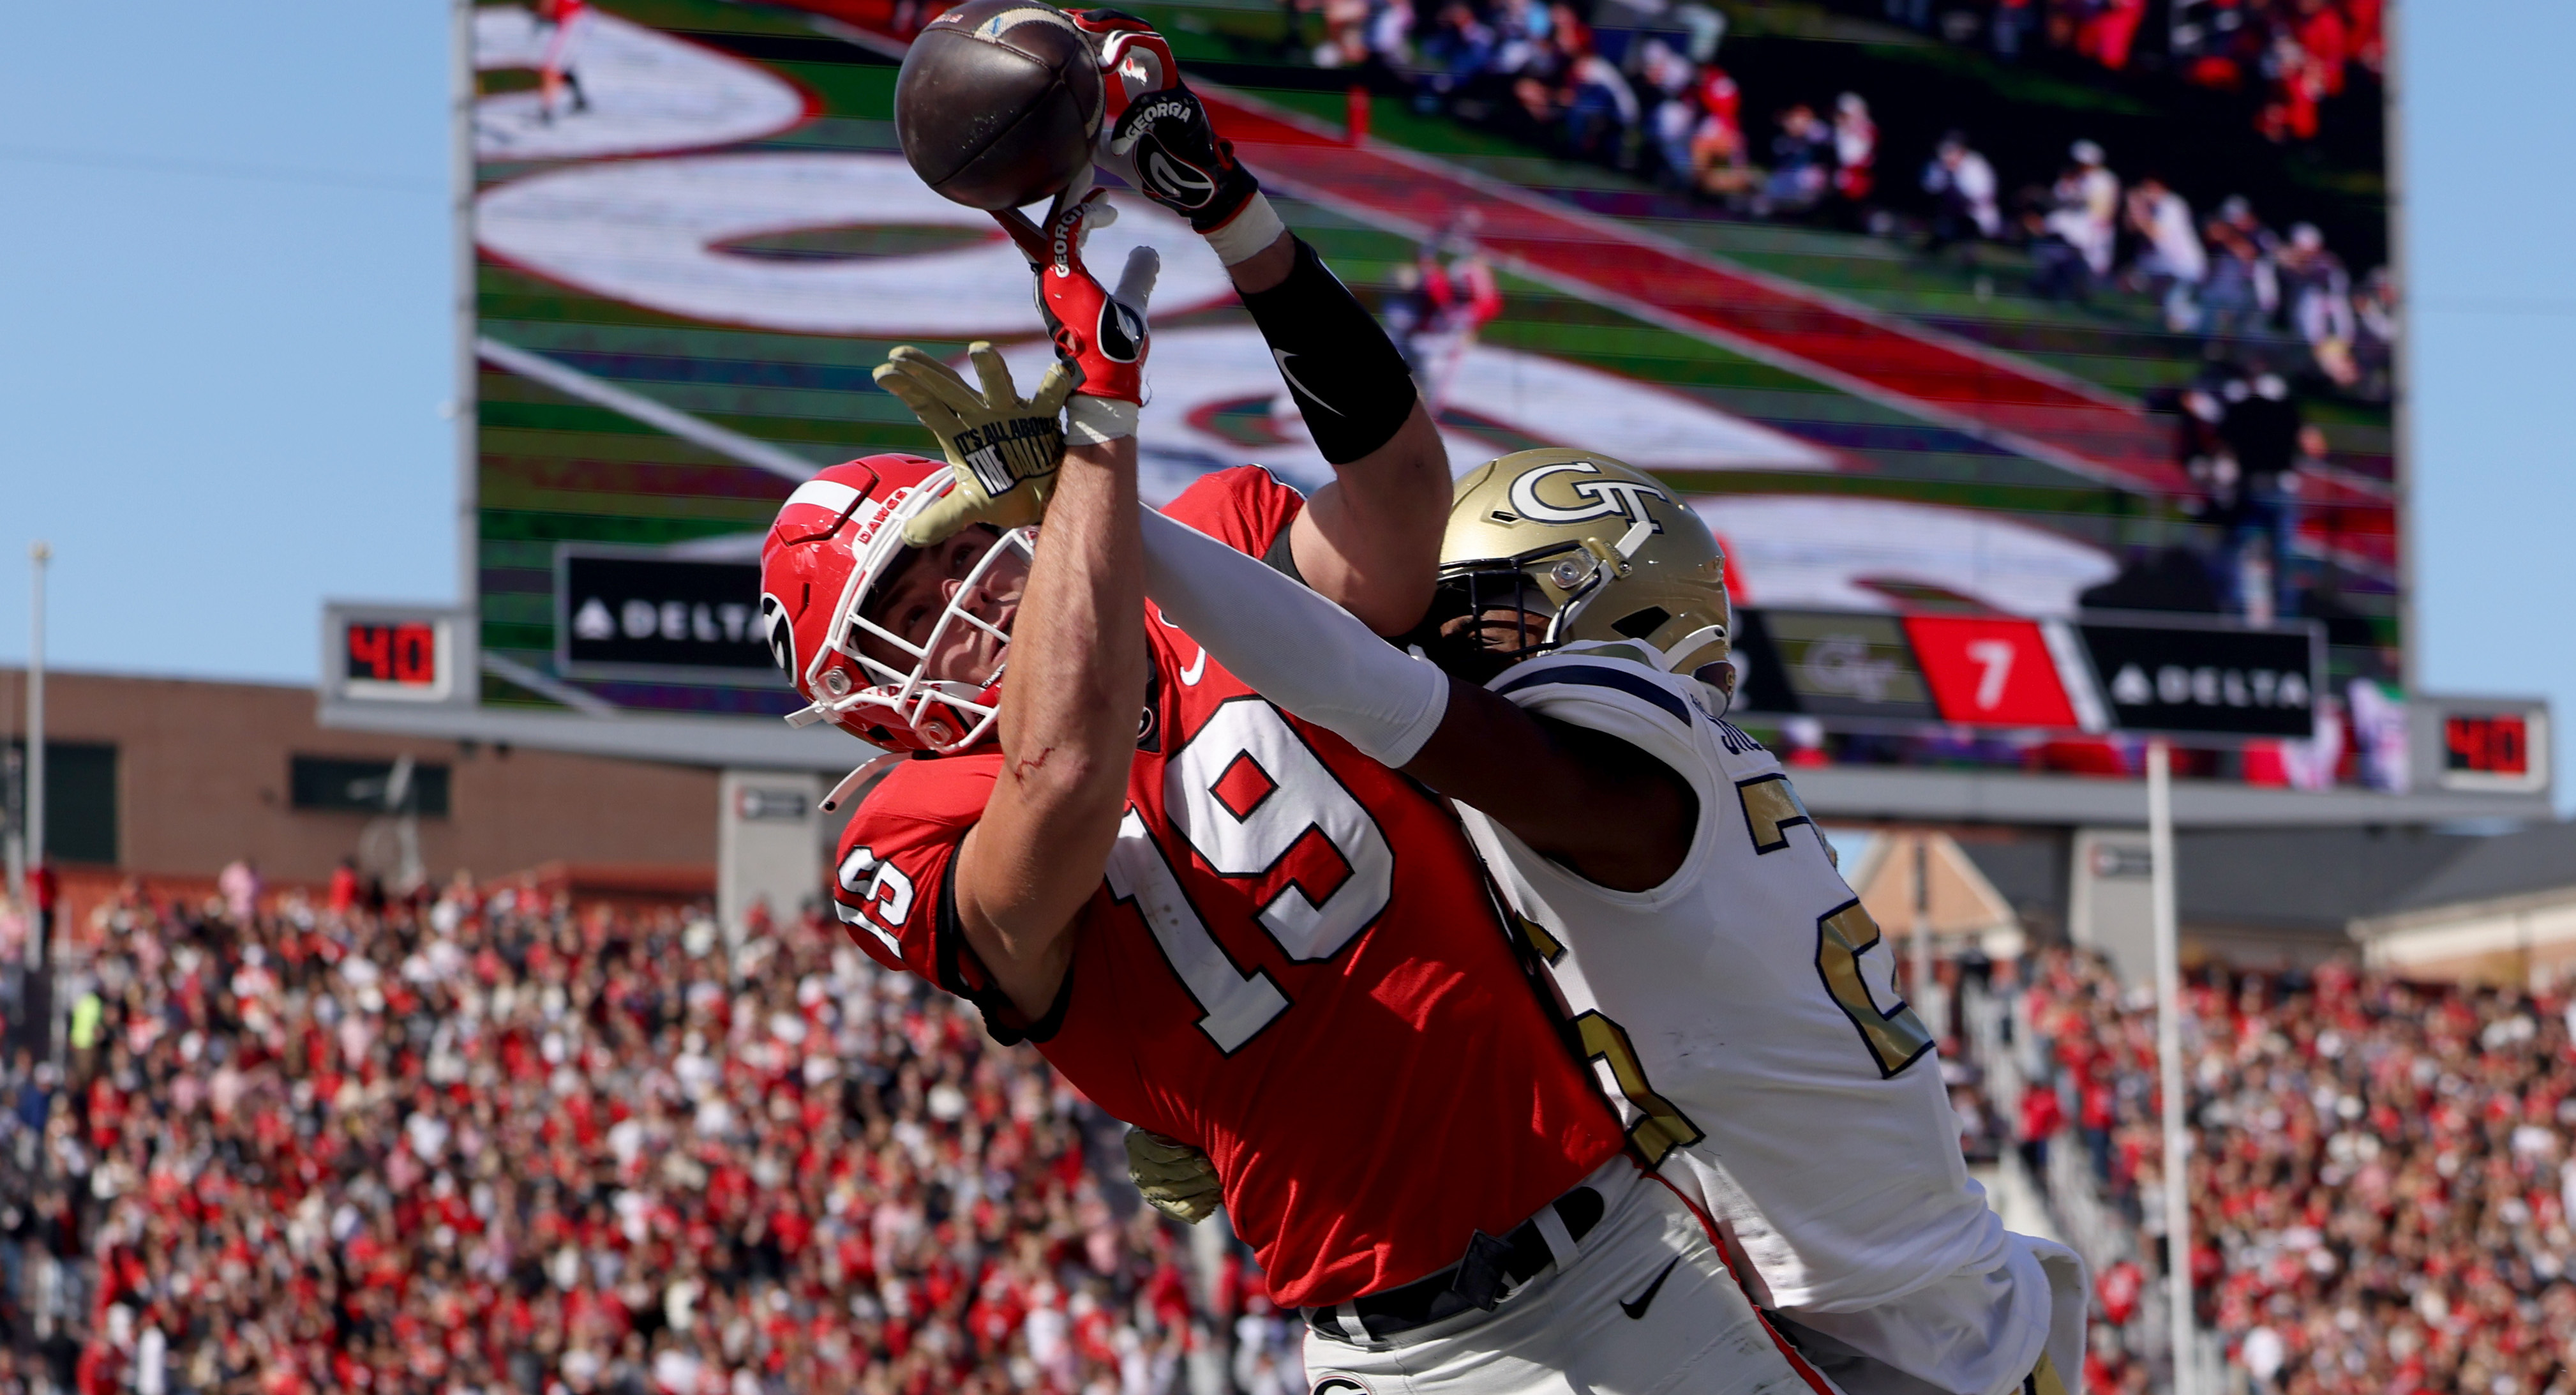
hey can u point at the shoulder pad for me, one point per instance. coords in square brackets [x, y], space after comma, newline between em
[1603, 668]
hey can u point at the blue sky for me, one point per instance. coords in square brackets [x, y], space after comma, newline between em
[224, 343]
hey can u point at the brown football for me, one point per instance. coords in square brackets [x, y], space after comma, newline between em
[998, 103]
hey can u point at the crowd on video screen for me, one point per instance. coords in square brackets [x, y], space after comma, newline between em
[2264, 313]
[1590, 88]
[476, 1142]
[1659, 103]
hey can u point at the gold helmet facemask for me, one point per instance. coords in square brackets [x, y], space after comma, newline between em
[1598, 548]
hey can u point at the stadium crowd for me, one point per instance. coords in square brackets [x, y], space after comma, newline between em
[478, 1142]
[483, 1143]
[2382, 1180]
[2223, 274]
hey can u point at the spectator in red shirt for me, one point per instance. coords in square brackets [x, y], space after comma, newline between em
[2041, 1118]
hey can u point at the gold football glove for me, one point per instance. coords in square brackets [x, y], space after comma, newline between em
[1003, 450]
[1176, 1179]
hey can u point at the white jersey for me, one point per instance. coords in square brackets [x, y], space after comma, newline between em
[1747, 1013]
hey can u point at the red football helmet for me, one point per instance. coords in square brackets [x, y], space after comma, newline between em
[836, 538]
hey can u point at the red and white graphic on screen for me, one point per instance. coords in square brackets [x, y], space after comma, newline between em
[1989, 671]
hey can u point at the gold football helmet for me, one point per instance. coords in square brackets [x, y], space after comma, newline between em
[1594, 548]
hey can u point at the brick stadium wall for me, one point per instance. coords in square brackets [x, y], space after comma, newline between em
[201, 774]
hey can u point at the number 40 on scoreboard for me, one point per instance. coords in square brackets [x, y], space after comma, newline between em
[2493, 745]
[400, 652]
[377, 654]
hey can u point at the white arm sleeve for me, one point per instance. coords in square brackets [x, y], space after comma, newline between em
[1292, 646]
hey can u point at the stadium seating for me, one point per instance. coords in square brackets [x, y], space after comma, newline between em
[488, 1145]
[2382, 1181]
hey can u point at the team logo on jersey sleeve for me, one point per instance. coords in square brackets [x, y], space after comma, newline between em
[1149, 723]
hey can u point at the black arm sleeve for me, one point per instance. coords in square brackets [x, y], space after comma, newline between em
[1348, 381]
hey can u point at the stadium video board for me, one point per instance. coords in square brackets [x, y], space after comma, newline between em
[2035, 378]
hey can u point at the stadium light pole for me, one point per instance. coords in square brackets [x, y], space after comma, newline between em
[461, 407]
[37, 556]
[2160, 856]
[1922, 936]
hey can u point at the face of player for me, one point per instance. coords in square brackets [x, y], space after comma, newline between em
[1476, 647]
[913, 601]
[1506, 630]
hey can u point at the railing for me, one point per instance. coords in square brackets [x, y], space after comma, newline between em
[2088, 1221]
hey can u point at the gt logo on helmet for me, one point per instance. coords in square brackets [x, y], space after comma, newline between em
[1625, 498]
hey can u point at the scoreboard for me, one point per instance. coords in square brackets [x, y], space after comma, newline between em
[391, 654]
[2485, 745]
[1965, 553]
[2108, 671]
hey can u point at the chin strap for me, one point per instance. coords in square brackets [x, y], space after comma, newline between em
[1691, 644]
[857, 783]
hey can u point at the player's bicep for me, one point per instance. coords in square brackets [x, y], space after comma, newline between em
[898, 894]
[1014, 895]
[1370, 540]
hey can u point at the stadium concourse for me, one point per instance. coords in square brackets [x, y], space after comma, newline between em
[273, 1159]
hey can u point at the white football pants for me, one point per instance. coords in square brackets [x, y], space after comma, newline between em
[1643, 1304]
[2015, 1328]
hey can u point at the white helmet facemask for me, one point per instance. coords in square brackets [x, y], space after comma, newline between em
[966, 707]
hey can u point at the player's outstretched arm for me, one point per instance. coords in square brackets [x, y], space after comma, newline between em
[1371, 539]
[1618, 816]
[1076, 670]
[1069, 702]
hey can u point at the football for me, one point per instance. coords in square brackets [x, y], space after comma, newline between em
[998, 103]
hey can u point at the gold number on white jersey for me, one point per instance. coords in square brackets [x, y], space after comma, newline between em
[1660, 1127]
[1850, 955]
[1771, 809]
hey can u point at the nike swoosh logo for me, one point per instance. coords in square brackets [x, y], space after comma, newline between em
[1283, 356]
[1198, 666]
[1182, 183]
[1644, 1300]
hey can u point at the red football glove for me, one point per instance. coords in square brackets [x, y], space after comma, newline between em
[1156, 129]
[1099, 333]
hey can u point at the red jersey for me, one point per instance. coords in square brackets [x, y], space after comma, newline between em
[1292, 963]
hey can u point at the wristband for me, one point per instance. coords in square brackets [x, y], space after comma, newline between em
[1095, 421]
[1349, 383]
[1249, 232]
